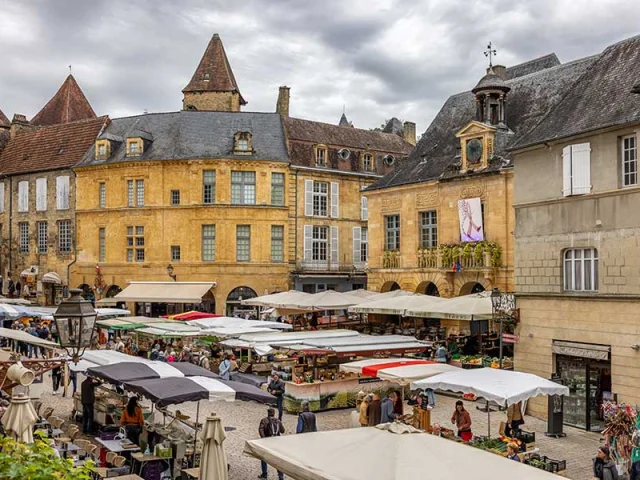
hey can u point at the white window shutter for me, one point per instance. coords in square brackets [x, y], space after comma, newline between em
[335, 200]
[1, 197]
[62, 192]
[23, 196]
[308, 198]
[357, 256]
[566, 171]
[41, 194]
[308, 243]
[581, 168]
[364, 208]
[335, 259]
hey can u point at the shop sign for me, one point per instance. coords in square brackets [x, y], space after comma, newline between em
[583, 350]
[369, 380]
[509, 338]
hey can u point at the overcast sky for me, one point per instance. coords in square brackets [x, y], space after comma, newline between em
[379, 58]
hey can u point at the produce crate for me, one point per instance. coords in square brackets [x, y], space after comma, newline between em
[554, 466]
[528, 439]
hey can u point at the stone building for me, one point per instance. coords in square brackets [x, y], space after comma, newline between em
[577, 274]
[441, 223]
[218, 195]
[37, 192]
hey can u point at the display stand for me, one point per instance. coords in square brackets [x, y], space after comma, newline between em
[424, 419]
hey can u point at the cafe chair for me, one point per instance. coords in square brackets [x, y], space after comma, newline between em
[71, 435]
[47, 412]
[110, 457]
[91, 451]
[119, 461]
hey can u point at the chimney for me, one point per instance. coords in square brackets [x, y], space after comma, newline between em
[409, 132]
[282, 106]
[18, 124]
[500, 70]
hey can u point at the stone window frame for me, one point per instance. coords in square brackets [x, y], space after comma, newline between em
[42, 229]
[64, 236]
[277, 243]
[23, 237]
[175, 197]
[135, 244]
[573, 263]
[176, 254]
[364, 244]
[102, 194]
[320, 199]
[628, 149]
[102, 244]
[208, 243]
[135, 147]
[243, 243]
[429, 228]
[106, 144]
[320, 155]
[243, 187]
[320, 243]
[209, 178]
[368, 166]
[392, 227]
[243, 143]
[278, 188]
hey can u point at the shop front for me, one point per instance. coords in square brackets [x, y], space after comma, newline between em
[586, 369]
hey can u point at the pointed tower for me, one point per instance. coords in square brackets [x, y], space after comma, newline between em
[343, 121]
[67, 105]
[213, 86]
[4, 121]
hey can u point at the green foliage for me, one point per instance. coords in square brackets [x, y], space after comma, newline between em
[37, 461]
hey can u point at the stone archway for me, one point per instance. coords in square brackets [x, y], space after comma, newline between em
[390, 286]
[428, 288]
[112, 291]
[235, 298]
[471, 287]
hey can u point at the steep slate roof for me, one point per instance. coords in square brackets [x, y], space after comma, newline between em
[530, 98]
[214, 72]
[194, 135]
[601, 98]
[318, 132]
[532, 66]
[343, 121]
[50, 147]
[4, 121]
[67, 105]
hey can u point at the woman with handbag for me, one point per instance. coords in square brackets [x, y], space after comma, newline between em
[132, 420]
[462, 420]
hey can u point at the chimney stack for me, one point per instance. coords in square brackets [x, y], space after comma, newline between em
[18, 124]
[500, 70]
[409, 132]
[282, 106]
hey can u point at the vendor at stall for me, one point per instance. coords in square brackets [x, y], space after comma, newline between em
[512, 451]
[462, 420]
[514, 419]
[132, 420]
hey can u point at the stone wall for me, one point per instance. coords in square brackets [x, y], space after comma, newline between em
[213, 101]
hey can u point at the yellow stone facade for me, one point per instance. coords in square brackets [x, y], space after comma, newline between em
[214, 101]
[413, 268]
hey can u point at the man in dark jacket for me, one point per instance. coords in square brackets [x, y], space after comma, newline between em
[88, 399]
[270, 426]
[306, 420]
[276, 388]
[603, 467]
[635, 471]
[375, 411]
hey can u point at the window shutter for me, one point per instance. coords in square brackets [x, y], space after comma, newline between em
[23, 196]
[364, 208]
[566, 171]
[334, 246]
[1, 197]
[41, 194]
[357, 256]
[335, 200]
[581, 168]
[62, 193]
[308, 243]
[308, 198]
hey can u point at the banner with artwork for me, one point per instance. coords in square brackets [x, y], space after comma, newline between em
[470, 212]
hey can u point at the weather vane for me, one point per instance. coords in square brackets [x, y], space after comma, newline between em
[490, 52]
[69, 69]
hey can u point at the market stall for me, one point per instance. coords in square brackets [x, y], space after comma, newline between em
[233, 322]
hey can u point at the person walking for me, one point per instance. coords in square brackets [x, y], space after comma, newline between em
[514, 419]
[276, 388]
[225, 367]
[204, 361]
[270, 427]
[88, 399]
[364, 411]
[603, 467]
[56, 376]
[462, 420]
[387, 414]
[375, 411]
[306, 420]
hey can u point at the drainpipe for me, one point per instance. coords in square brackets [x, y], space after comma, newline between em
[295, 254]
[75, 235]
[10, 224]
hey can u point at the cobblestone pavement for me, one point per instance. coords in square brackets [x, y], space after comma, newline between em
[578, 447]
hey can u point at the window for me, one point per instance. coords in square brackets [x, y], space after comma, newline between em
[277, 243]
[102, 149]
[130, 199]
[320, 198]
[135, 244]
[367, 162]
[429, 229]
[243, 188]
[102, 195]
[243, 144]
[102, 244]
[1, 197]
[581, 269]
[208, 243]
[629, 156]
[43, 237]
[24, 237]
[64, 236]
[321, 156]
[364, 208]
[23, 196]
[140, 193]
[175, 197]
[320, 244]
[62, 192]
[392, 232]
[576, 169]
[243, 243]
[175, 253]
[209, 187]
[277, 188]
[41, 194]
[364, 245]
[134, 148]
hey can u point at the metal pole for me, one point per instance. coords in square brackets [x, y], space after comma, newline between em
[488, 420]
[500, 321]
[195, 437]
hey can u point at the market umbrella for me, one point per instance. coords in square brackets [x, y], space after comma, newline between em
[123, 372]
[20, 417]
[328, 300]
[398, 305]
[213, 462]
[192, 315]
[397, 370]
[276, 299]
[476, 306]
[234, 322]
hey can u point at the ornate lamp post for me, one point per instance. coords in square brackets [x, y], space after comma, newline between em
[75, 320]
[503, 306]
[170, 273]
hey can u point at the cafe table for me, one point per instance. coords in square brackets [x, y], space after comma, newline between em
[192, 472]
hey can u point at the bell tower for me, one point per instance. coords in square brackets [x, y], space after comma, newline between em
[491, 94]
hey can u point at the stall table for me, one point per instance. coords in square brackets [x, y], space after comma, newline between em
[192, 472]
[116, 446]
[139, 459]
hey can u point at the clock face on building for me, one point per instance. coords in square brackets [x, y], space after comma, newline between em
[474, 150]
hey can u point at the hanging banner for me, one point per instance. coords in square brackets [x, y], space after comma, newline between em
[470, 213]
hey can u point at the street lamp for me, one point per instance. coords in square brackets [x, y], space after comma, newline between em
[170, 273]
[75, 320]
[503, 305]
[495, 304]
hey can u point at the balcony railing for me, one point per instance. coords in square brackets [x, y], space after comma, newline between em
[391, 259]
[324, 266]
[478, 255]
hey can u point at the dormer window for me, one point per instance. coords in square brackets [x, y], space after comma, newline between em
[103, 149]
[242, 143]
[389, 160]
[321, 155]
[367, 162]
[134, 148]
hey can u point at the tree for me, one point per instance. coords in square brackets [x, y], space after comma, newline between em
[37, 461]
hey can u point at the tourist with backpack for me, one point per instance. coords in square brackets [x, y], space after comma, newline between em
[270, 426]
[603, 467]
